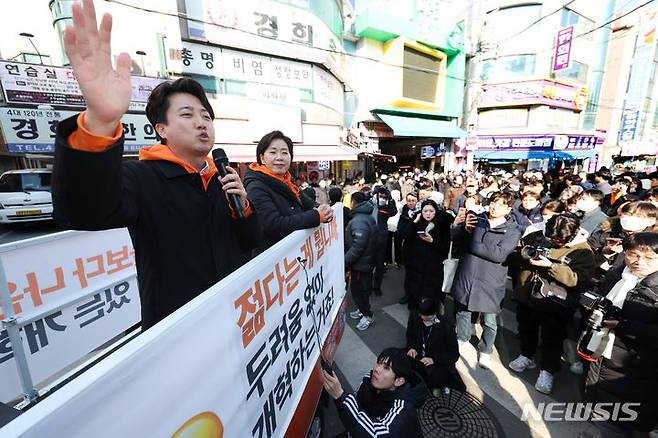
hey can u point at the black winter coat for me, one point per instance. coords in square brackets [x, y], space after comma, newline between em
[481, 276]
[360, 239]
[279, 210]
[405, 219]
[184, 237]
[631, 373]
[425, 260]
[440, 345]
[526, 218]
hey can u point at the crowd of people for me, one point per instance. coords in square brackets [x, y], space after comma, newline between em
[541, 240]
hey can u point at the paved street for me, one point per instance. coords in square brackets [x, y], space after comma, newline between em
[502, 391]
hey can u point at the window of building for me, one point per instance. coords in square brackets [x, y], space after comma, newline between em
[577, 72]
[507, 66]
[581, 24]
[210, 84]
[420, 77]
[33, 58]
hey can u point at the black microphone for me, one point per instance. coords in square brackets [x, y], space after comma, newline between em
[221, 161]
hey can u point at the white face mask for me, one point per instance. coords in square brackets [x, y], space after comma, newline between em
[636, 224]
[546, 217]
[428, 322]
[582, 206]
[383, 202]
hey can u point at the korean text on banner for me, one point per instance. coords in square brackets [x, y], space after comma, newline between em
[235, 359]
[46, 273]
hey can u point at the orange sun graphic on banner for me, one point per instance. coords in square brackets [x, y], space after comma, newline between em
[203, 425]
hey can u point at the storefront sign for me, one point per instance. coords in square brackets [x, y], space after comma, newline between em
[47, 85]
[562, 55]
[537, 142]
[629, 125]
[269, 73]
[536, 92]
[33, 131]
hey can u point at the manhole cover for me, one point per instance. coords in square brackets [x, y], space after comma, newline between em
[457, 414]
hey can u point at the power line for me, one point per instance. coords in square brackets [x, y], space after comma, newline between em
[534, 23]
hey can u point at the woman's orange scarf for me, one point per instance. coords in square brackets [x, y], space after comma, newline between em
[285, 178]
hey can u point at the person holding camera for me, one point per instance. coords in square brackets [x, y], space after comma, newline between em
[486, 240]
[621, 338]
[427, 246]
[556, 266]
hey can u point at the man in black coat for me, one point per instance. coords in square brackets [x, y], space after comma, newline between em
[185, 233]
[360, 257]
[432, 342]
[385, 209]
[618, 196]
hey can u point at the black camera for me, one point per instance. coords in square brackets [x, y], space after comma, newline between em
[530, 252]
[600, 308]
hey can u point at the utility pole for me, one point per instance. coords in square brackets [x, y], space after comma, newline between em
[472, 37]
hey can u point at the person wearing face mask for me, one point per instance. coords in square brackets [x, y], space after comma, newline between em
[549, 209]
[427, 246]
[635, 217]
[564, 272]
[626, 347]
[589, 204]
[618, 196]
[385, 208]
[470, 189]
[432, 342]
[281, 206]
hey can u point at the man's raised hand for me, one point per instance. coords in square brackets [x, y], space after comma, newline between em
[106, 91]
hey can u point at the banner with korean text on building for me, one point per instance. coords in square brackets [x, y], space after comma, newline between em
[48, 272]
[233, 362]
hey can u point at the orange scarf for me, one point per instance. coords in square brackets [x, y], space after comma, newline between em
[614, 196]
[285, 178]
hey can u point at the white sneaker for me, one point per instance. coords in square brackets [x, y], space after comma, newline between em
[365, 322]
[522, 363]
[356, 314]
[577, 368]
[485, 360]
[544, 382]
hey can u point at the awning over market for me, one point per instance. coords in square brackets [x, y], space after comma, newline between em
[246, 153]
[512, 155]
[404, 126]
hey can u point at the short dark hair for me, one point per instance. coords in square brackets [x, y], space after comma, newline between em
[603, 174]
[640, 208]
[623, 180]
[562, 227]
[554, 205]
[158, 102]
[310, 192]
[531, 194]
[595, 194]
[414, 194]
[643, 240]
[335, 194]
[506, 197]
[427, 306]
[653, 175]
[267, 140]
[397, 360]
[359, 197]
[431, 203]
[650, 194]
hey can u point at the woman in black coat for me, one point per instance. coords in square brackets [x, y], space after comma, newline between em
[281, 207]
[427, 241]
[432, 341]
[630, 372]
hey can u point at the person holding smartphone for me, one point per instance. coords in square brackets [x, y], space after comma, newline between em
[427, 245]
[486, 241]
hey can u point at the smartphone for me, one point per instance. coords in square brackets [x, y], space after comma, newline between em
[420, 232]
[326, 365]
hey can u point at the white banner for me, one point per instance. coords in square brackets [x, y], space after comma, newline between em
[49, 273]
[34, 130]
[232, 362]
[45, 84]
